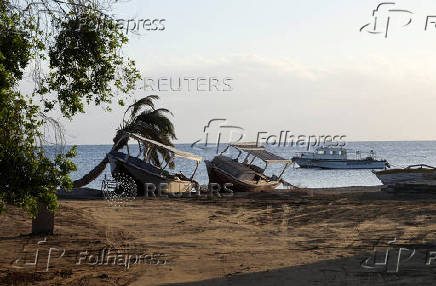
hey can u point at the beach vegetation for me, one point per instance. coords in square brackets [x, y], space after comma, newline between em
[71, 62]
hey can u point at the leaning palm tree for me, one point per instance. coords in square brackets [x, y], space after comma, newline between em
[143, 119]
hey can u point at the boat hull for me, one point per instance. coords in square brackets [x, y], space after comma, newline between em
[394, 176]
[219, 176]
[339, 164]
[143, 177]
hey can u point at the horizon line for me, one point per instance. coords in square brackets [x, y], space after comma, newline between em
[354, 141]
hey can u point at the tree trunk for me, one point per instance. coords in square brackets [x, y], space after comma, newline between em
[92, 175]
[44, 221]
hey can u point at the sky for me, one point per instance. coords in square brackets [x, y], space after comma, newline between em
[301, 66]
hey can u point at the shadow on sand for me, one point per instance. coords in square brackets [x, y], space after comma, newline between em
[344, 271]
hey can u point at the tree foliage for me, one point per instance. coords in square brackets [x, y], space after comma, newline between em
[74, 62]
[86, 64]
[15, 48]
[27, 175]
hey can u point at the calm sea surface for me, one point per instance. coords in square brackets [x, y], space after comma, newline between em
[398, 154]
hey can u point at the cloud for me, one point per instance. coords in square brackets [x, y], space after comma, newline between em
[362, 97]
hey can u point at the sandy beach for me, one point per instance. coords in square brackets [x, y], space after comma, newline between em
[217, 143]
[310, 237]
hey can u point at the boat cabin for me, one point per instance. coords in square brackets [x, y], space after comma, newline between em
[253, 151]
[326, 153]
[241, 172]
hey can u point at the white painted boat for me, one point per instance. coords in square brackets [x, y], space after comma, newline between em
[337, 158]
[419, 172]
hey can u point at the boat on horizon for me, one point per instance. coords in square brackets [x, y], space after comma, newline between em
[329, 157]
[144, 172]
[412, 173]
[245, 176]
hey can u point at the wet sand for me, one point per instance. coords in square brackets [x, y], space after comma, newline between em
[309, 237]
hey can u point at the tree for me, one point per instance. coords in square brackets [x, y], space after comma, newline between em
[27, 176]
[144, 119]
[15, 48]
[74, 61]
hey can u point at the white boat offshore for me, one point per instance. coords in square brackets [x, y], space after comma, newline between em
[337, 158]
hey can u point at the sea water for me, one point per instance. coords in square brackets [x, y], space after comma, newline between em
[398, 154]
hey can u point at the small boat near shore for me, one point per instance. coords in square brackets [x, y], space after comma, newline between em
[146, 173]
[337, 158]
[245, 176]
[420, 172]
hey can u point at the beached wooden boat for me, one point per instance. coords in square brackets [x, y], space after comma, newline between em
[419, 172]
[146, 173]
[245, 176]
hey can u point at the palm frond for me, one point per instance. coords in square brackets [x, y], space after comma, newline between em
[153, 124]
[158, 120]
[137, 105]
